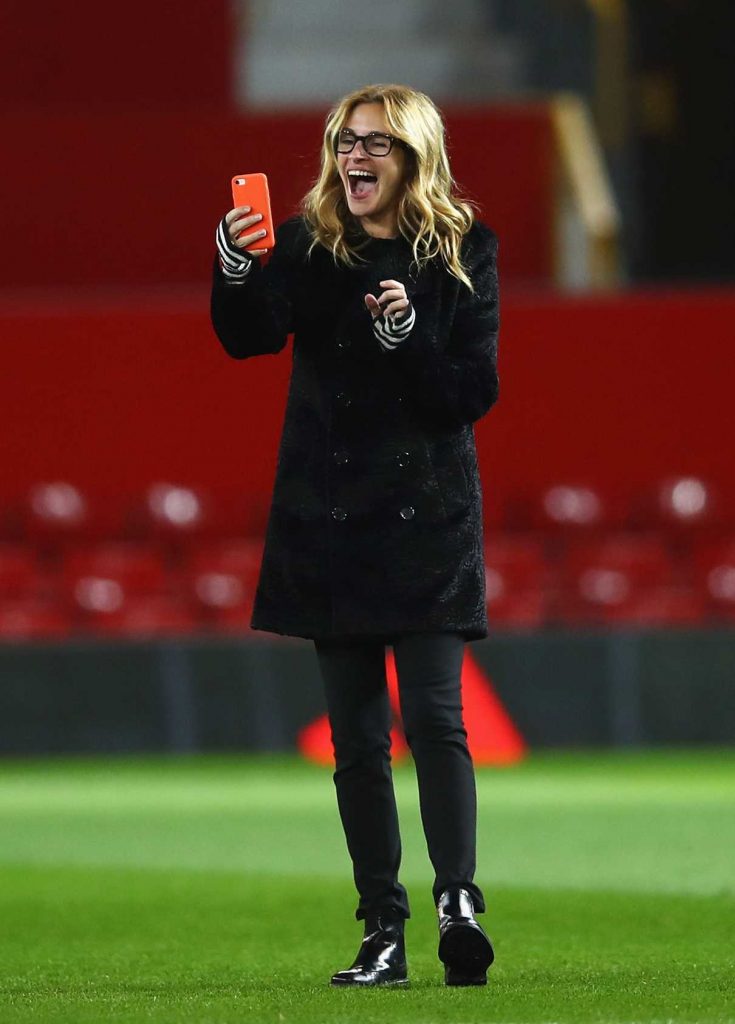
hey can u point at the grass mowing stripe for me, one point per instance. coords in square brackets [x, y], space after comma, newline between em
[596, 827]
[641, 849]
[85, 945]
[572, 852]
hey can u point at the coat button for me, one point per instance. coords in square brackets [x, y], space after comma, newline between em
[344, 343]
[343, 399]
[403, 459]
[341, 458]
[339, 514]
[408, 512]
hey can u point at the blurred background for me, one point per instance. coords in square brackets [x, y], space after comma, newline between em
[137, 459]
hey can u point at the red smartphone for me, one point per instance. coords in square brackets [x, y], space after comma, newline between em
[252, 190]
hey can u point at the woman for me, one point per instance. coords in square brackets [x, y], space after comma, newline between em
[389, 286]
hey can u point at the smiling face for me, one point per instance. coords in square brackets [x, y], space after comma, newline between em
[374, 194]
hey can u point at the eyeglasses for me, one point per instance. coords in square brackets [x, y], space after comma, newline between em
[374, 143]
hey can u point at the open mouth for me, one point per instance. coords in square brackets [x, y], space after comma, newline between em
[362, 184]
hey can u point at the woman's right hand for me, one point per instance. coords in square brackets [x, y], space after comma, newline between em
[239, 219]
[234, 259]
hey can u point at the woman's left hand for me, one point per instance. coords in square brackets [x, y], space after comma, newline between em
[391, 302]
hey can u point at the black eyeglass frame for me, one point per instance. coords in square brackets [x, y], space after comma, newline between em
[364, 138]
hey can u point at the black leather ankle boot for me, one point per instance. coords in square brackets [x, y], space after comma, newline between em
[464, 948]
[381, 959]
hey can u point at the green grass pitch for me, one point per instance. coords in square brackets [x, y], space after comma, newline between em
[218, 890]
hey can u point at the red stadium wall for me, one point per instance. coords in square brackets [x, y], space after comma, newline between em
[132, 197]
[613, 390]
[121, 142]
[104, 56]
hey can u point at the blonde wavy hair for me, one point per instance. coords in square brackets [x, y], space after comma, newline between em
[431, 216]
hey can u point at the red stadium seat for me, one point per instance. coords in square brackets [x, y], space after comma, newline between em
[33, 618]
[222, 579]
[230, 618]
[174, 514]
[659, 606]
[679, 505]
[244, 513]
[241, 556]
[55, 513]
[625, 578]
[516, 581]
[137, 567]
[566, 510]
[22, 573]
[153, 616]
[571, 505]
[106, 609]
[124, 588]
[644, 559]
[713, 569]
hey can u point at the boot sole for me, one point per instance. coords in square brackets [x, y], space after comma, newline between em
[466, 954]
[398, 982]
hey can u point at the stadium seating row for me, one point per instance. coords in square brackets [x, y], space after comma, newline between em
[146, 589]
[54, 513]
[169, 564]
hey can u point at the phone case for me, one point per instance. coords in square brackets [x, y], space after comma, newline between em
[252, 190]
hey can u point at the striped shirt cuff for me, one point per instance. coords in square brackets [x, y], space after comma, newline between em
[391, 330]
[235, 266]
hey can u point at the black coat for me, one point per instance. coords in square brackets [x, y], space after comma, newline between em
[375, 525]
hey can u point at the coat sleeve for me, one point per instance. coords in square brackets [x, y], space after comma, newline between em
[254, 316]
[457, 384]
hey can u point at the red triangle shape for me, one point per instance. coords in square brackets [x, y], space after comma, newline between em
[491, 734]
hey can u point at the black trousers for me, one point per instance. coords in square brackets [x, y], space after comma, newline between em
[428, 666]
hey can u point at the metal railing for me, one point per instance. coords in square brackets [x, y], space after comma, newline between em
[586, 217]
